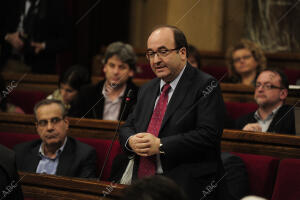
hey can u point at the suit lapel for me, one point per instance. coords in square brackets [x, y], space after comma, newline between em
[274, 126]
[65, 160]
[150, 101]
[35, 158]
[123, 103]
[178, 95]
[99, 101]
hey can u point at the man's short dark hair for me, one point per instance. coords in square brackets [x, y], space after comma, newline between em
[284, 82]
[179, 37]
[48, 102]
[124, 52]
[154, 188]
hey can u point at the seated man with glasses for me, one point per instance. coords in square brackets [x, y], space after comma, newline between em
[55, 152]
[272, 115]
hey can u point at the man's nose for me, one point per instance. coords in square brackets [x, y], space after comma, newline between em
[260, 88]
[116, 70]
[156, 59]
[50, 126]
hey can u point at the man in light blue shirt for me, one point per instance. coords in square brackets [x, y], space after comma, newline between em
[55, 152]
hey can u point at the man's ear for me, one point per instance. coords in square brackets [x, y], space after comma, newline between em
[66, 120]
[182, 52]
[131, 73]
[283, 94]
[105, 68]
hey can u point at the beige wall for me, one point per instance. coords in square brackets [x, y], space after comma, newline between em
[201, 21]
[145, 14]
[233, 22]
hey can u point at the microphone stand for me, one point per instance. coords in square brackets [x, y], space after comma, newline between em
[127, 99]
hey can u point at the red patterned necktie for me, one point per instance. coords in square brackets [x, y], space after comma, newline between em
[147, 164]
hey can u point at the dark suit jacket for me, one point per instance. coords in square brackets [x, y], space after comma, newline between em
[76, 160]
[190, 131]
[8, 176]
[283, 122]
[90, 102]
[51, 25]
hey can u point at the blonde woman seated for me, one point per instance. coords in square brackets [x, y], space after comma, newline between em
[69, 85]
[245, 61]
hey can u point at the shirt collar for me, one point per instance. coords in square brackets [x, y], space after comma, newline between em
[174, 83]
[271, 115]
[58, 152]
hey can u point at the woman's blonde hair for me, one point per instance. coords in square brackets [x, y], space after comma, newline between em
[256, 52]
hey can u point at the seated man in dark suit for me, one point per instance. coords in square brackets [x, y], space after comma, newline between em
[272, 115]
[10, 187]
[106, 100]
[55, 153]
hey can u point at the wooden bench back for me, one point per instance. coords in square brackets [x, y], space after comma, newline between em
[277, 145]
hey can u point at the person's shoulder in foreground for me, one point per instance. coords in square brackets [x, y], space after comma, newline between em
[9, 178]
[154, 188]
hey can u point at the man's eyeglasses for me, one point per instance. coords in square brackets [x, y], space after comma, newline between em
[44, 122]
[267, 86]
[163, 52]
[235, 60]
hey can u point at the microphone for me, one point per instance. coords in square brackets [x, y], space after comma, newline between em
[127, 100]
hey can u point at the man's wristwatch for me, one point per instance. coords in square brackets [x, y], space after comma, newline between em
[161, 150]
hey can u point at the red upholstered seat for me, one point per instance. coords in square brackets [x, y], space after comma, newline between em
[216, 71]
[293, 75]
[238, 109]
[287, 185]
[102, 147]
[26, 99]
[9, 139]
[262, 173]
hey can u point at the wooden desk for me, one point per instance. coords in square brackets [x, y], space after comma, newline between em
[50, 187]
[277, 145]
[91, 128]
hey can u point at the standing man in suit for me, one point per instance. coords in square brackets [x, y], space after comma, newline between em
[55, 153]
[10, 187]
[176, 126]
[272, 115]
[34, 32]
[106, 99]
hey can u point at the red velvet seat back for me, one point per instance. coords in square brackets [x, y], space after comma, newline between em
[287, 185]
[261, 172]
[26, 99]
[102, 147]
[293, 75]
[11, 139]
[239, 109]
